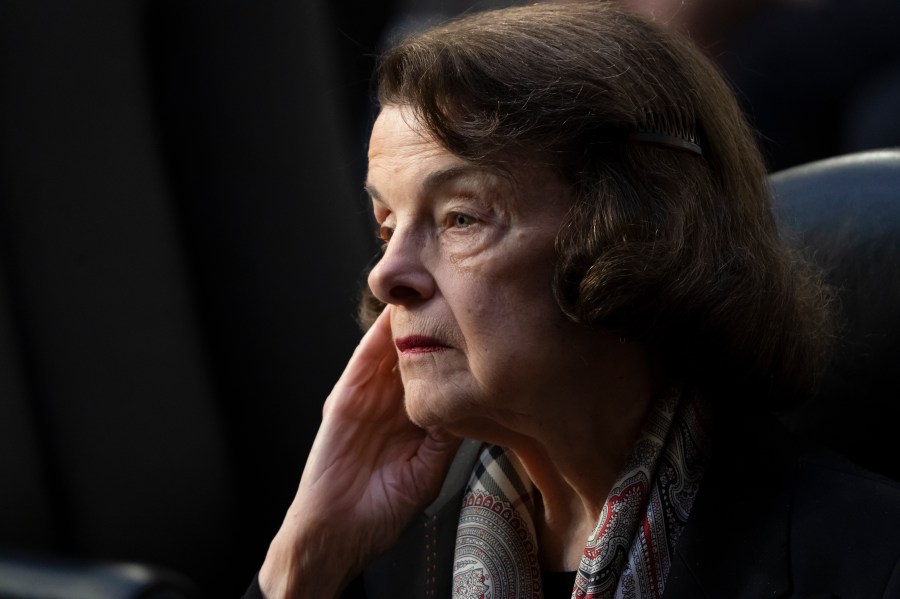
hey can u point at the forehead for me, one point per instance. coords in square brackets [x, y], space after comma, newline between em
[400, 145]
[395, 127]
[402, 152]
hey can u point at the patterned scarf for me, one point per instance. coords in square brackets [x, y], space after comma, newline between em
[629, 552]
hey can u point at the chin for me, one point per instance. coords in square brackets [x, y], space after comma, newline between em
[422, 413]
[458, 414]
[427, 406]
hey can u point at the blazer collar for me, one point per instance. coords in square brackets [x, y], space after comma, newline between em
[736, 541]
[450, 497]
[443, 517]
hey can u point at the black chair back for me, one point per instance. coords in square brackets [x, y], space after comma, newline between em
[846, 211]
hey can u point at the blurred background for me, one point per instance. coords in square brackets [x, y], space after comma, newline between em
[182, 232]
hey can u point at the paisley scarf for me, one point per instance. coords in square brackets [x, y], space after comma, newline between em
[630, 551]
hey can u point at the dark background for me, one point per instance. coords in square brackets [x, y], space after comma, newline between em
[182, 232]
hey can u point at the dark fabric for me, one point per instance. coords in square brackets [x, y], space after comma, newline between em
[557, 585]
[253, 591]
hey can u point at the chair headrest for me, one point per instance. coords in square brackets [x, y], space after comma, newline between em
[846, 212]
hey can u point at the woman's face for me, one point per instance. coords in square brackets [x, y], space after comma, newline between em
[467, 266]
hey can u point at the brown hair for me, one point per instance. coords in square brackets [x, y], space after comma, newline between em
[664, 246]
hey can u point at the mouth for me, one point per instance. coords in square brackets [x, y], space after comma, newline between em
[419, 344]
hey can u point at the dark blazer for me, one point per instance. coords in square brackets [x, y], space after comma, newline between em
[773, 518]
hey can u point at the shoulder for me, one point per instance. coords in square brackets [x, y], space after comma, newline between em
[777, 517]
[845, 524]
[762, 456]
[826, 483]
[831, 497]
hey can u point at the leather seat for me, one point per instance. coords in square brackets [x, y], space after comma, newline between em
[29, 578]
[846, 212]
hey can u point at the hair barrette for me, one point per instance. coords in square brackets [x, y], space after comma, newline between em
[662, 131]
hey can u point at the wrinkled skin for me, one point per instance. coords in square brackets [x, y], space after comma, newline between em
[369, 472]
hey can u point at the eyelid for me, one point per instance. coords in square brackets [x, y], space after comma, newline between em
[384, 230]
[380, 212]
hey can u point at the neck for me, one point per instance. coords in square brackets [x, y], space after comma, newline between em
[574, 450]
[573, 476]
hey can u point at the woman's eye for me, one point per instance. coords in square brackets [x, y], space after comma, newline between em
[385, 233]
[461, 221]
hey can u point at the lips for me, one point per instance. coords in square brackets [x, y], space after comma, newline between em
[419, 344]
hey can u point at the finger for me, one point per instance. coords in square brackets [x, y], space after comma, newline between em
[432, 461]
[378, 339]
[375, 354]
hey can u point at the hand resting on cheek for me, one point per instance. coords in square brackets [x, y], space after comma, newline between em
[370, 471]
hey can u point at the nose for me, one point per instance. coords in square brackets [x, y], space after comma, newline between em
[401, 276]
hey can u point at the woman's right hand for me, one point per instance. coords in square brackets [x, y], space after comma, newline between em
[369, 473]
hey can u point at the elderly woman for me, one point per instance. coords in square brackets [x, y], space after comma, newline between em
[584, 279]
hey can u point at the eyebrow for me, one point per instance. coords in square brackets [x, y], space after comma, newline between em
[438, 178]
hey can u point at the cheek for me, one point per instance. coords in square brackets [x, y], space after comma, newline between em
[503, 296]
[507, 286]
[508, 322]
[519, 261]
